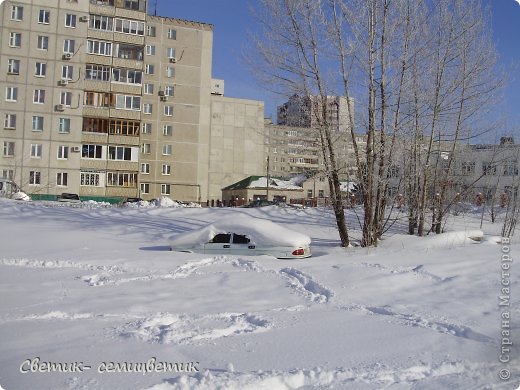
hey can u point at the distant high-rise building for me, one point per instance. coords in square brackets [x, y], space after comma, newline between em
[306, 111]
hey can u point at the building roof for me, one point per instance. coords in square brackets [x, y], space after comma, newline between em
[261, 182]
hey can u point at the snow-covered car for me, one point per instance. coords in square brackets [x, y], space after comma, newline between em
[9, 189]
[244, 235]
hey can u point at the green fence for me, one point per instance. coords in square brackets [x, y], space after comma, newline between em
[107, 199]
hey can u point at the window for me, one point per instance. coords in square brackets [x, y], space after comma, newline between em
[43, 42]
[147, 108]
[145, 188]
[11, 94]
[393, 171]
[131, 4]
[99, 99]
[148, 89]
[151, 31]
[165, 189]
[13, 66]
[128, 102]
[97, 22]
[8, 149]
[468, 168]
[62, 179]
[167, 150]
[170, 52]
[64, 125]
[170, 71]
[34, 178]
[39, 96]
[10, 121]
[145, 168]
[91, 179]
[63, 152]
[70, 20]
[16, 12]
[309, 193]
[166, 169]
[120, 153]
[36, 150]
[168, 90]
[172, 34]
[150, 50]
[127, 26]
[168, 110]
[40, 69]
[122, 179]
[8, 173]
[510, 168]
[147, 128]
[489, 168]
[129, 52]
[66, 98]
[167, 129]
[149, 69]
[44, 16]
[124, 127]
[69, 45]
[99, 47]
[95, 125]
[146, 148]
[97, 72]
[67, 72]
[92, 151]
[15, 39]
[37, 123]
[127, 76]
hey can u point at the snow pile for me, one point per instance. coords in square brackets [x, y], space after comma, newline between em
[165, 202]
[261, 232]
[20, 196]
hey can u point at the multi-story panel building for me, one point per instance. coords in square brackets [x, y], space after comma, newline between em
[103, 100]
[306, 111]
[237, 142]
[176, 109]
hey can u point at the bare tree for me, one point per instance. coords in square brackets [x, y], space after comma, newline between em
[422, 70]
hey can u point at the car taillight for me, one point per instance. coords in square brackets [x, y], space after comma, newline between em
[298, 252]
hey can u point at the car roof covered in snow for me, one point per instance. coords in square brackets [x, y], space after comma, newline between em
[260, 231]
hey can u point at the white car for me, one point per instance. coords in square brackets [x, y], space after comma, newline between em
[244, 235]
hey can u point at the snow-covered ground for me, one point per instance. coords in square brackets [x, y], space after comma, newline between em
[98, 287]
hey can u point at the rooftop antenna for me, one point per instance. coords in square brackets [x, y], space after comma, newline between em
[155, 10]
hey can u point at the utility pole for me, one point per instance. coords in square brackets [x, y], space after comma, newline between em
[267, 186]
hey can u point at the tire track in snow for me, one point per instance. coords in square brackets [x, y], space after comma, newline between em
[304, 285]
[168, 328]
[417, 270]
[414, 320]
[181, 272]
[33, 263]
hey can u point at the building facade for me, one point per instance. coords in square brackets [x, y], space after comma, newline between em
[104, 100]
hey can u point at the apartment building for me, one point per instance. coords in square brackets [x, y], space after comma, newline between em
[305, 111]
[106, 101]
[294, 144]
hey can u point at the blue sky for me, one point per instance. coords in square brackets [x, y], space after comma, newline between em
[232, 20]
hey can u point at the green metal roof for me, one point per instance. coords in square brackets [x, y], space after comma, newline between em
[242, 184]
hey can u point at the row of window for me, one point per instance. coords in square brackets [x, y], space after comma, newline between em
[42, 42]
[11, 95]
[92, 125]
[92, 151]
[96, 73]
[10, 121]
